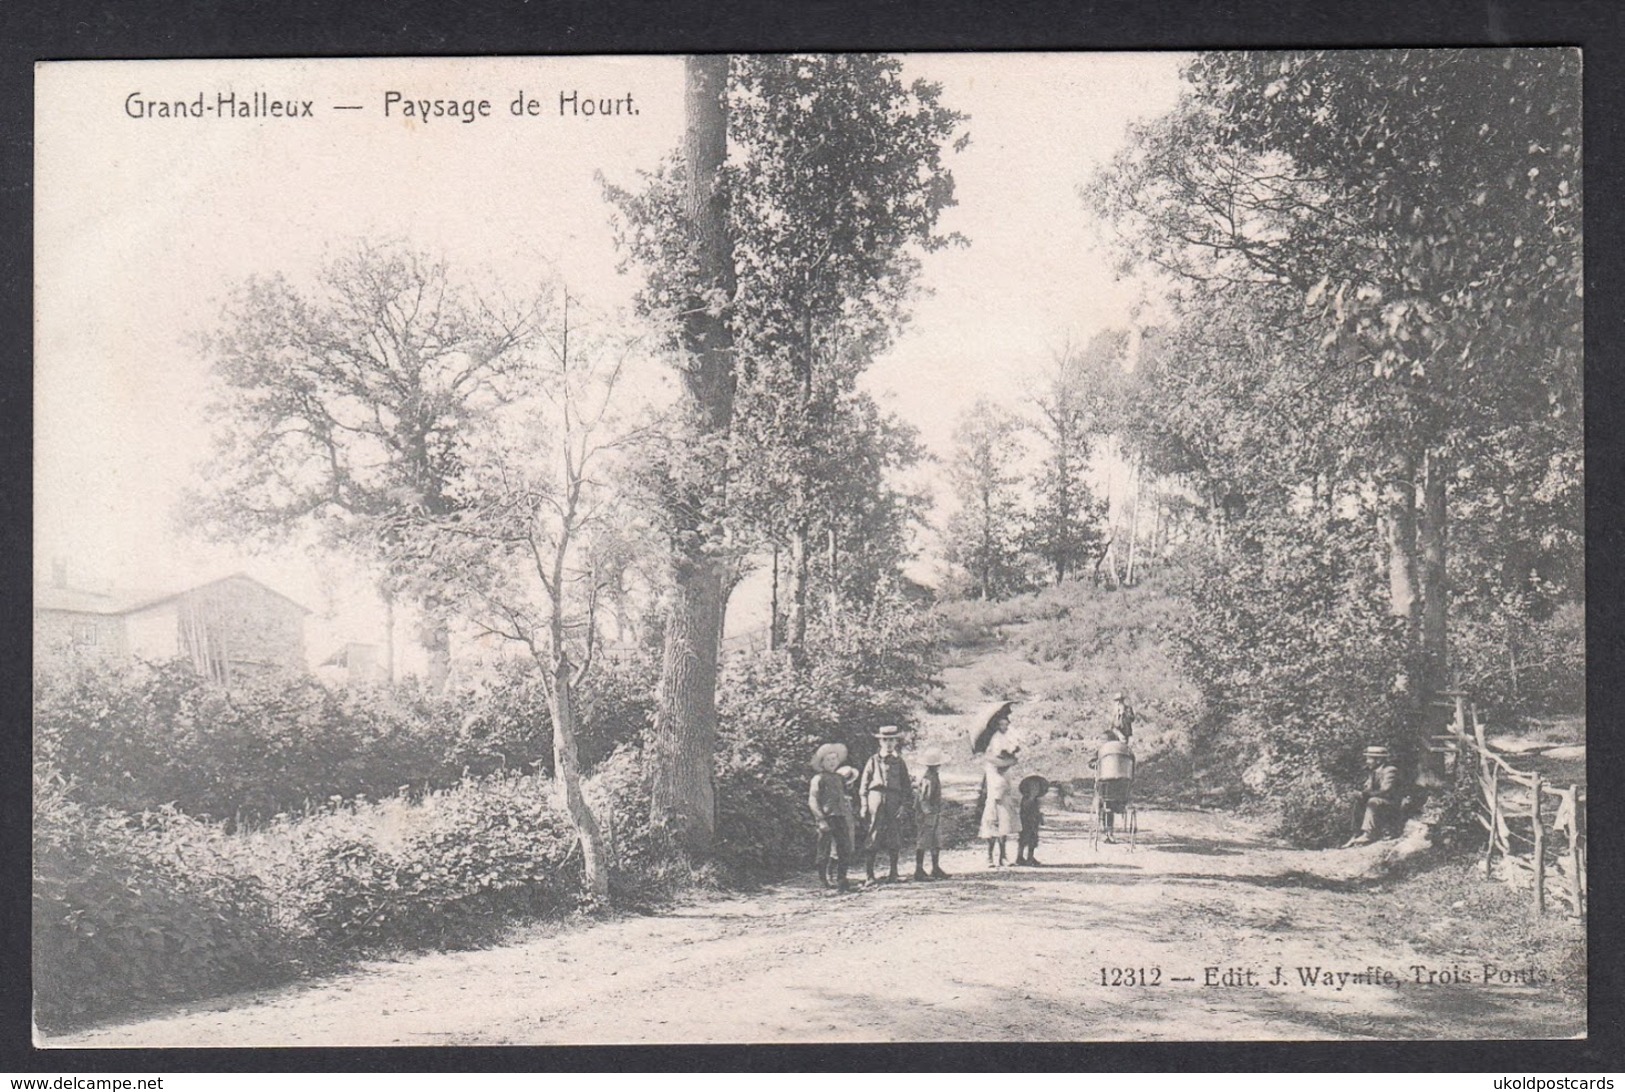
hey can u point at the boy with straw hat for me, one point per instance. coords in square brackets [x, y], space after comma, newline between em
[831, 808]
[928, 816]
[888, 801]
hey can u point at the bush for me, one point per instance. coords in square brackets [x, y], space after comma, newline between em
[134, 910]
[1314, 810]
[644, 871]
[1518, 655]
[138, 736]
[463, 863]
[875, 669]
[1290, 643]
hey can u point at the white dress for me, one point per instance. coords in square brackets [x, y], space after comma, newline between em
[1001, 816]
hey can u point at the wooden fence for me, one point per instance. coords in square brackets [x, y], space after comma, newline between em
[1532, 827]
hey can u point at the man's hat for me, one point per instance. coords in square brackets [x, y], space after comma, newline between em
[1118, 696]
[931, 756]
[836, 749]
[1035, 784]
[889, 731]
[1376, 752]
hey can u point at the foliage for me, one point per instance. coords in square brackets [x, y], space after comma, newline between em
[366, 388]
[471, 860]
[536, 537]
[342, 406]
[141, 736]
[837, 183]
[777, 253]
[875, 670]
[132, 910]
[1294, 674]
[1367, 378]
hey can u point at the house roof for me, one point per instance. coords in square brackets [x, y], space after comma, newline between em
[127, 601]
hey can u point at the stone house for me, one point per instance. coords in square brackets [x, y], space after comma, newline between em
[228, 628]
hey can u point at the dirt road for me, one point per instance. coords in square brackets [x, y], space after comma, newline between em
[1018, 954]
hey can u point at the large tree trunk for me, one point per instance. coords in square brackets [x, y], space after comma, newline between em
[683, 797]
[1404, 579]
[683, 792]
[567, 780]
[800, 580]
[1433, 541]
[389, 637]
[833, 577]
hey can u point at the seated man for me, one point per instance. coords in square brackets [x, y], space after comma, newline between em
[1376, 806]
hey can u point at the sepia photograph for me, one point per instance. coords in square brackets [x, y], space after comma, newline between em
[809, 548]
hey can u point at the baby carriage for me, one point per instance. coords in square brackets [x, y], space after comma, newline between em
[1114, 793]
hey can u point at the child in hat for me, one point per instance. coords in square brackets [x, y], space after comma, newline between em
[888, 801]
[1033, 788]
[831, 807]
[928, 816]
[1001, 816]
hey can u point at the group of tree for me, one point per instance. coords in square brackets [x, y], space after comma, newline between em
[474, 449]
[1026, 483]
[1368, 363]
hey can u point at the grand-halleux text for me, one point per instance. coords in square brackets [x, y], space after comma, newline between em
[394, 104]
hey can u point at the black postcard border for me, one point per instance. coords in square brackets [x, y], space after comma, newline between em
[36, 30]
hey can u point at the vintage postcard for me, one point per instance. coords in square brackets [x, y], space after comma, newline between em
[809, 548]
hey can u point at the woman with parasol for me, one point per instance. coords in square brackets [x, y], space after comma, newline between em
[987, 723]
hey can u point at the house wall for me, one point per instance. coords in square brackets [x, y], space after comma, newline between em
[59, 634]
[152, 633]
[256, 627]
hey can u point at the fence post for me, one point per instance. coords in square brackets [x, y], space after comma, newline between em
[1540, 849]
[1495, 817]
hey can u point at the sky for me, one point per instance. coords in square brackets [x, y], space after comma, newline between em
[143, 222]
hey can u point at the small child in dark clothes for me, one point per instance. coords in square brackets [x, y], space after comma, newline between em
[1033, 789]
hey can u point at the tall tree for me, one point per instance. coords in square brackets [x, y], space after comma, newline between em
[1064, 530]
[984, 536]
[678, 229]
[839, 184]
[340, 407]
[777, 245]
[518, 552]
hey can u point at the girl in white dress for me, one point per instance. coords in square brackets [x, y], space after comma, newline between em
[1001, 815]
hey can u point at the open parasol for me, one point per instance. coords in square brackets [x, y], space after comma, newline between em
[988, 722]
